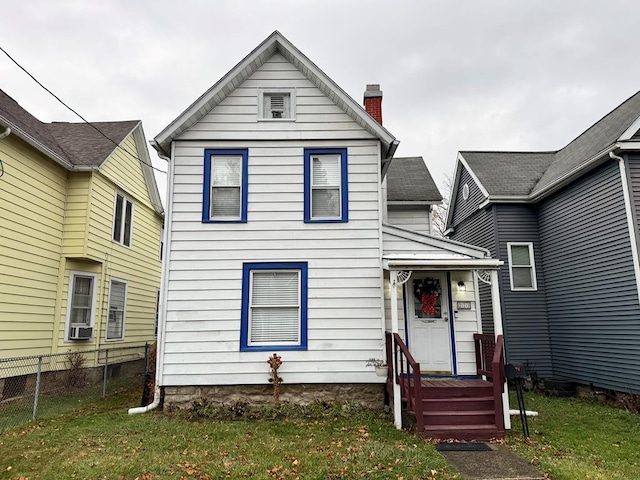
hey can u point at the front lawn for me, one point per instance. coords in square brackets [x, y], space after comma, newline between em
[101, 441]
[579, 439]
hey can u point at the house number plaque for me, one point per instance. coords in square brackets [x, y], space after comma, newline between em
[464, 305]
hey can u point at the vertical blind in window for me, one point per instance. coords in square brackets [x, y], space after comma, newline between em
[226, 178]
[81, 300]
[115, 322]
[521, 266]
[325, 186]
[275, 307]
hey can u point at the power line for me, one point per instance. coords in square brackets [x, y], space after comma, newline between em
[77, 114]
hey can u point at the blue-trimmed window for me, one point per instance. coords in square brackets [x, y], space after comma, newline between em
[225, 186]
[326, 194]
[274, 306]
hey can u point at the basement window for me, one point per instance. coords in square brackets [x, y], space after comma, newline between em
[276, 104]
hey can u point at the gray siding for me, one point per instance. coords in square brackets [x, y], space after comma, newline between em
[594, 315]
[526, 324]
[478, 229]
[464, 208]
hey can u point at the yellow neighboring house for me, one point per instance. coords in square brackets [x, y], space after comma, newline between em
[80, 235]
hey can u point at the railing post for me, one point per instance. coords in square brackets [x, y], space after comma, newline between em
[417, 408]
[36, 395]
[104, 377]
[477, 343]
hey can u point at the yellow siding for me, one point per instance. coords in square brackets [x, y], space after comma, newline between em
[75, 225]
[32, 211]
[139, 265]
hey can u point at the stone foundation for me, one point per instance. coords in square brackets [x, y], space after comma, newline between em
[370, 395]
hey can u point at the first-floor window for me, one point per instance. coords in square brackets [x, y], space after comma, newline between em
[274, 306]
[522, 268]
[81, 305]
[116, 315]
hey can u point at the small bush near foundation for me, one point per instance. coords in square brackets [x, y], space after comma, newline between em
[239, 410]
[627, 401]
[74, 362]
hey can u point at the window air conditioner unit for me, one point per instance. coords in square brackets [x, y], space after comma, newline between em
[81, 333]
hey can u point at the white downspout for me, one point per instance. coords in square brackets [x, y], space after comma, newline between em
[5, 133]
[627, 205]
[163, 294]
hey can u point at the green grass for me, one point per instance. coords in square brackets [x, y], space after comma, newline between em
[579, 439]
[100, 441]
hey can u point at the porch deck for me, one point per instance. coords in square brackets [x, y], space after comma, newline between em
[456, 408]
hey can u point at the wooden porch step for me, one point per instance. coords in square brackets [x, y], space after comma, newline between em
[457, 404]
[462, 432]
[458, 392]
[471, 417]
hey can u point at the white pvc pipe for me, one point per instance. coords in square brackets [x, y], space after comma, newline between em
[5, 133]
[151, 406]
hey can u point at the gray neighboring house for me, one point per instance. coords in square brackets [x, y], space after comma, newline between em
[566, 225]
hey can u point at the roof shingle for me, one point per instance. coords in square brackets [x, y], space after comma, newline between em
[409, 180]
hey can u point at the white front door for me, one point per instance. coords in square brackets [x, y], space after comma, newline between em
[429, 322]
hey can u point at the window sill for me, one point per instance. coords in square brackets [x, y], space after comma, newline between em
[276, 119]
[269, 348]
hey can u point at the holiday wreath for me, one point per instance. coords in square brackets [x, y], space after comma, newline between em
[427, 291]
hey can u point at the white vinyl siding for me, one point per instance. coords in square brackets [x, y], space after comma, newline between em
[522, 270]
[117, 309]
[274, 308]
[412, 217]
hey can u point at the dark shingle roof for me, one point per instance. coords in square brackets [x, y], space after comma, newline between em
[84, 145]
[409, 180]
[508, 173]
[524, 173]
[77, 143]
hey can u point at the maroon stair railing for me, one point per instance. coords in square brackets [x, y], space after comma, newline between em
[490, 364]
[407, 376]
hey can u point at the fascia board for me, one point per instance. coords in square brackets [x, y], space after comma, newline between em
[397, 263]
[453, 194]
[147, 170]
[37, 145]
[629, 132]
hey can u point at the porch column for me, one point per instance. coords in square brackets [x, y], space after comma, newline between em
[397, 399]
[498, 329]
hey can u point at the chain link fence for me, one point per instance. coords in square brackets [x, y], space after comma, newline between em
[39, 386]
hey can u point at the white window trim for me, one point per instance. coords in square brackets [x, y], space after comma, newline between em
[72, 275]
[124, 311]
[292, 104]
[133, 207]
[299, 307]
[314, 188]
[534, 280]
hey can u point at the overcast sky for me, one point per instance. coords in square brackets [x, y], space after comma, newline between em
[456, 75]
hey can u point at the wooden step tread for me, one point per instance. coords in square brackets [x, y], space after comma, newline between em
[460, 399]
[456, 413]
[453, 428]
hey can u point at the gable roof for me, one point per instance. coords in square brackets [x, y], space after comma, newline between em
[529, 175]
[78, 146]
[274, 43]
[409, 180]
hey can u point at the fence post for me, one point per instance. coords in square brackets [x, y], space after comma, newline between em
[37, 392]
[104, 379]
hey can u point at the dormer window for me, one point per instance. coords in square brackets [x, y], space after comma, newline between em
[276, 104]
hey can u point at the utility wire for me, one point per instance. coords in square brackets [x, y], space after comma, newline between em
[76, 113]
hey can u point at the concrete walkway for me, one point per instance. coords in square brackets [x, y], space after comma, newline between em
[499, 463]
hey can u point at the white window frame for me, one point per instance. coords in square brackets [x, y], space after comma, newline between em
[121, 238]
[72, 275]
[239, 186]
[124, 310]
[263, 115]
[532, 266]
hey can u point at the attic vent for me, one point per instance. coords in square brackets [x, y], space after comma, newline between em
[465, 191]
[276, 104]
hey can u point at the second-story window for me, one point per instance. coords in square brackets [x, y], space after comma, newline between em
[225, 186]
[123, 220]
[326, 196]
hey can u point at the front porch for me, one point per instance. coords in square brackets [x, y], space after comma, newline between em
[449, 407]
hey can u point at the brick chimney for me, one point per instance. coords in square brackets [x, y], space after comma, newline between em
[373, 101]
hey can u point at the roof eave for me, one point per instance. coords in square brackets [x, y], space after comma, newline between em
[37, 145]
